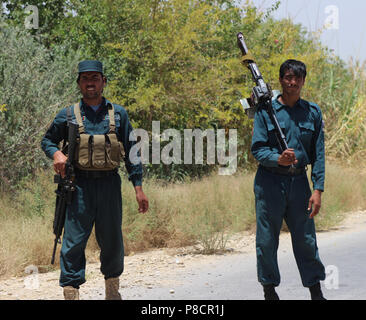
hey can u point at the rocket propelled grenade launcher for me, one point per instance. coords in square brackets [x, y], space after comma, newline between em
[262, 93]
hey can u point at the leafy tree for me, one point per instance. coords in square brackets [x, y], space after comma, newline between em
[35, 85]
[177, 62]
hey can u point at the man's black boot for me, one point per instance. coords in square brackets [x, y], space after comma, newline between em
[316, 292]
[270, 292]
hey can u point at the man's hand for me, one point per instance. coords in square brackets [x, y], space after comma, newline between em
[59, 163]
[141, 199]
[287, 158]
[315, 203]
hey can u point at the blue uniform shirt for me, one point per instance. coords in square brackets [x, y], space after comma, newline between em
[95, 123]
[303, 127]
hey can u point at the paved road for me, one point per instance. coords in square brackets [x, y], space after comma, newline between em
[233, 276]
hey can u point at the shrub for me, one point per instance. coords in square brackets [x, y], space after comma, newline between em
[35, 83]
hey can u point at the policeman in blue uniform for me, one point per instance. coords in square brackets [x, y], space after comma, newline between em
[281, 193]
[97, 199]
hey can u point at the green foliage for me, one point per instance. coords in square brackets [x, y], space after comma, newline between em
[50, 13]
[35, 84]
[177, 62]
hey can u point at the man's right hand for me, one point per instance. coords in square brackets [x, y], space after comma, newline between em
[59, 163]
[287, 158]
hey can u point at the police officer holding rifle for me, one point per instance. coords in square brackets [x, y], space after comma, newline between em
[93, 186]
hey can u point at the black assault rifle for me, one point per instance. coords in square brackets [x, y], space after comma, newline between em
[262, 94]
[65, 188]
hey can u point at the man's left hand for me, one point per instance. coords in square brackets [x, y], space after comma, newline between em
[141, 199]
[315, 203]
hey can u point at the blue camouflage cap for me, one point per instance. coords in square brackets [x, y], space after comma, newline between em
[90, 65]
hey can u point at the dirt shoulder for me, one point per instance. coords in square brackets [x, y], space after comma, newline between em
[150, 269]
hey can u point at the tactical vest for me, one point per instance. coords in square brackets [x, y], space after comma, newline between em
[98, 152]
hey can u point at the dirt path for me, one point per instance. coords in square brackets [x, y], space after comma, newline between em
[148, 270]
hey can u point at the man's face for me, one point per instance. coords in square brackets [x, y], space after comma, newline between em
[91, 84]
[292, 84]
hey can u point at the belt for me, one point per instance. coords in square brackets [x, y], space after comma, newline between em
[95, 174]
[285, 171]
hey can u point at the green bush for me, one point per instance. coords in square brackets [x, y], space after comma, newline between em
[35, 83]
[176, 62]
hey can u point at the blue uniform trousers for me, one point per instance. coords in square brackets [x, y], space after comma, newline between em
[95, 201]
[279, 197]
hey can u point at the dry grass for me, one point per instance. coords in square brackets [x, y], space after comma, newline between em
[345, 191]
[204, 212]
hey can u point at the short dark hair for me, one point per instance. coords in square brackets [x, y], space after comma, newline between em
[298, 68]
